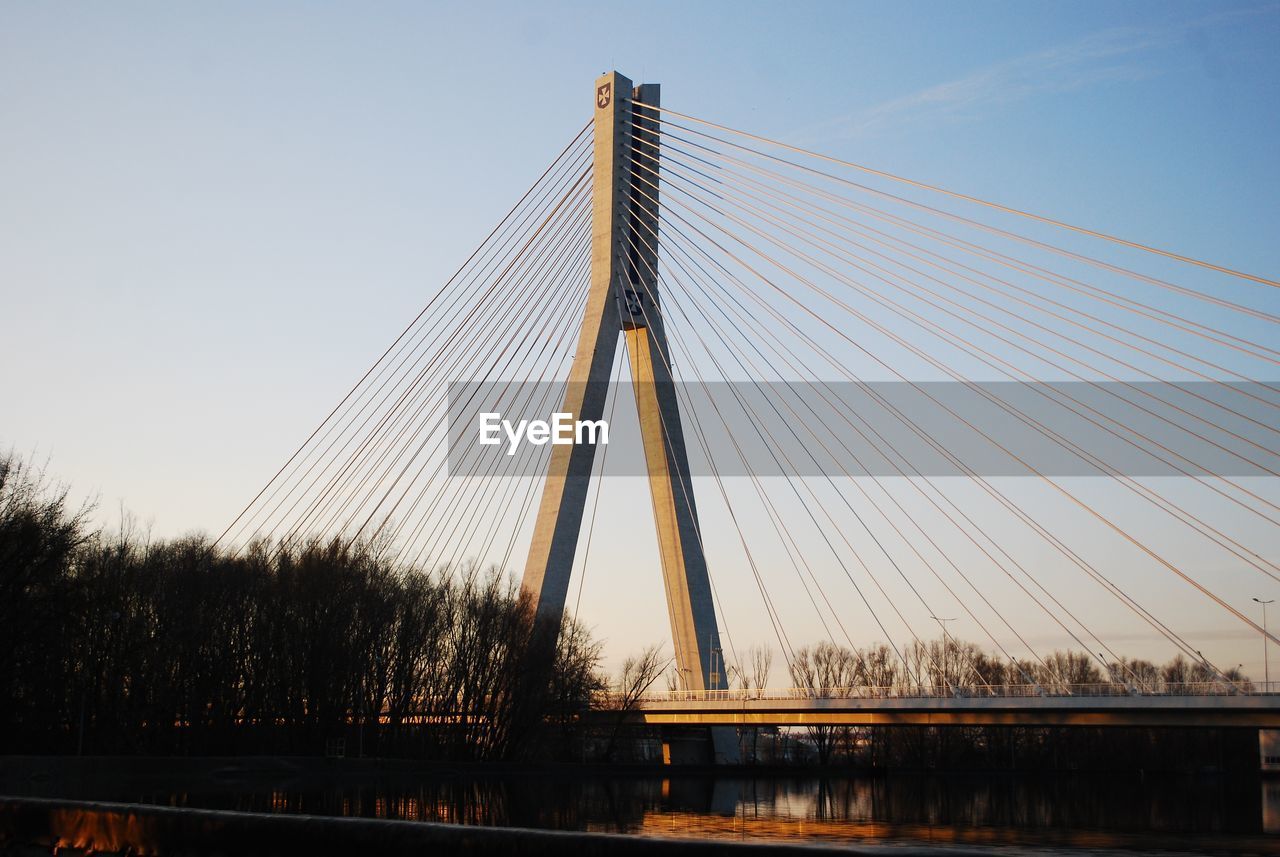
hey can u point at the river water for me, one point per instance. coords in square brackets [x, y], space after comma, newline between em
[1031, 814]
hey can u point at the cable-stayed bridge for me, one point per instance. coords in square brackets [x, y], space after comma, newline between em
[875, 405]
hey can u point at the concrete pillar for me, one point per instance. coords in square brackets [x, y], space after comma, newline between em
[624, 295]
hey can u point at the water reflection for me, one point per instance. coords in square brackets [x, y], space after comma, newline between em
[1175, 812]
[1271, 806]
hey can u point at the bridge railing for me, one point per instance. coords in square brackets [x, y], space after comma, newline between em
[1013, 691]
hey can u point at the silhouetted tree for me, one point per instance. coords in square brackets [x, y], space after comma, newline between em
[110, 642]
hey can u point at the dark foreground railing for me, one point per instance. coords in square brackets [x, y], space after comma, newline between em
[44, 826]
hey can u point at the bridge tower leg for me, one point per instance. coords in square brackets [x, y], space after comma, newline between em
[624, 297]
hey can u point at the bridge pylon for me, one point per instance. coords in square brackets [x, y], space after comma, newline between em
[624, 300]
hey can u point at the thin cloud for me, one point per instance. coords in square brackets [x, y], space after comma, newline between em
[1117, 55]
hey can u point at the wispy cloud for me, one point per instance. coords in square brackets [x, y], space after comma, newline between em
[1117, 55]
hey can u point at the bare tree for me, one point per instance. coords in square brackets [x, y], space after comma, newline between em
[637, 675]
[825, 670]
[761, 665]
[757, 679]
[1069, 668]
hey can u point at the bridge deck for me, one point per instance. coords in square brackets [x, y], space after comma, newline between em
[1248, 709]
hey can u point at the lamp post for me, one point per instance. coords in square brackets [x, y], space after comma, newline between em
[946, 638]
[1266, 662]
[685, 673]
[717, 662]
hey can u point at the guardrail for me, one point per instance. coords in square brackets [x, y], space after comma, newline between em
[1011, 691]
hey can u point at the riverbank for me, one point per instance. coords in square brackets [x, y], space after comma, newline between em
[1226, 814]
[31, 826]
[37, 826]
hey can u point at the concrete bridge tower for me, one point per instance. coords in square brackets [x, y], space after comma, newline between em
[624, 300]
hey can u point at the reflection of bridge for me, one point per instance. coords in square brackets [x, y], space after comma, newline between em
[1010, 705]
[715, 255]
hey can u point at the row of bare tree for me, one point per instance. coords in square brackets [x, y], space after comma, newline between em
[951, 665]
[115, 644]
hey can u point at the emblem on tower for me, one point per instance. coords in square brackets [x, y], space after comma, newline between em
[604, 94]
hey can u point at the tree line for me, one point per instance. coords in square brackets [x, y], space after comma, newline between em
[950, 665]
[113, 643]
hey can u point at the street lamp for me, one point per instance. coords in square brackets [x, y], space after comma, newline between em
[717, 661]
[943, 622]
[686, 682]
[1266, 663]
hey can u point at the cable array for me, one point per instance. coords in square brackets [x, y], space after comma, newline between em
[374, 468]
[774, 271]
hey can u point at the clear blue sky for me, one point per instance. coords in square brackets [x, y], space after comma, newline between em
[213, 216]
